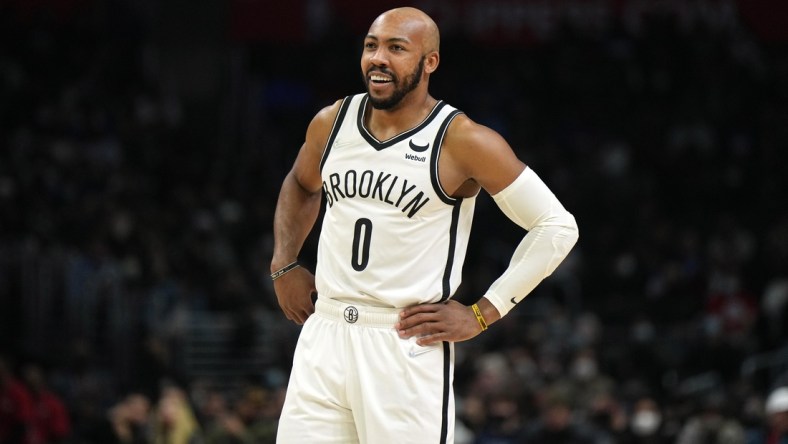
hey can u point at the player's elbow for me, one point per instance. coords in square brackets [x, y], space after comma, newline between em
[569, 233]
[573, 232]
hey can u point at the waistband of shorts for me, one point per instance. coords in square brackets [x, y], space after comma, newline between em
[378, 317]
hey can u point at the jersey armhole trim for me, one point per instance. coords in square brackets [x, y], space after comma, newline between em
[436, 149]
[335, 129]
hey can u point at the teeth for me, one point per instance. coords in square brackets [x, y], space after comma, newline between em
[377, 78]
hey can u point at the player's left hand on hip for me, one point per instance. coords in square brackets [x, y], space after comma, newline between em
[431, 323]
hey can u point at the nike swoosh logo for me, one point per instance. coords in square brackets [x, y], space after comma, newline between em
[513, 301]
[418, 148]
[414, 351]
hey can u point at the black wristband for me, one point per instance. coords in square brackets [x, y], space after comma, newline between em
[284, 270]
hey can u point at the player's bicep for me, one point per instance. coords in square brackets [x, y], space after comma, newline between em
[485, 156]
[306, 169]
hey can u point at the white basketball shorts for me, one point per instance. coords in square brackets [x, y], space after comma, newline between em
[354, 380]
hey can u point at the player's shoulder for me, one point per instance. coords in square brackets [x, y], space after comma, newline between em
[328, 114]
[320, 127]
[465, 132]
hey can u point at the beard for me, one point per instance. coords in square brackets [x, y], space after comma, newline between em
[400, 91]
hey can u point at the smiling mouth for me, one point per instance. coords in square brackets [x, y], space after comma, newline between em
[379, 79]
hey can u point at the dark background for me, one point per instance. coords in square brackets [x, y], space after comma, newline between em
[142, 146]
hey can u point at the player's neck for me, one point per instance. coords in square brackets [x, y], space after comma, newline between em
[387, 123]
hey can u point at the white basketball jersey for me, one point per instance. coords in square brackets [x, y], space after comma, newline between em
[391, 237]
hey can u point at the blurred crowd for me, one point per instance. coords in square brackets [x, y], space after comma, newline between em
[125, 205]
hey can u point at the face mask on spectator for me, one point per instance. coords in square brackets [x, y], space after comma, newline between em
[584, 369]
[646, 422]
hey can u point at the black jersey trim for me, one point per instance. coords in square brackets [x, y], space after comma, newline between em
[436, 149]
[379, 145]
[455, 221]
[446, 392]
[335, 130]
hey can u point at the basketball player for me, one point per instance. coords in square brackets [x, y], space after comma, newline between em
[399, 171]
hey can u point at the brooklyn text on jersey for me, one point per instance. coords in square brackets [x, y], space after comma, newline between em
[383, 186]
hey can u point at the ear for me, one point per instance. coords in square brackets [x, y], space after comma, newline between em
[431, 62]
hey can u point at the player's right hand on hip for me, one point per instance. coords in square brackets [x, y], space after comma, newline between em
[294, 293]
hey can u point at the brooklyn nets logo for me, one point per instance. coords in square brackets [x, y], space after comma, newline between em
[351, 315]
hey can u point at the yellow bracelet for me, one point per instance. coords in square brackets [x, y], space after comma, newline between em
[479, 316]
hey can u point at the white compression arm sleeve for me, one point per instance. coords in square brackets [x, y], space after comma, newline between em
[552, 232]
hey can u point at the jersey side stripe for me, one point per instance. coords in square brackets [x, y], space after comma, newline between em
[335, 129]
[455, 218]
[446, 389]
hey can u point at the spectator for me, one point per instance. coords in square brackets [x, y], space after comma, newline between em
[17, 419]
[556, 425]
[246, 423]
[607, 414]
[712, 424]
[174, 421]
[777, 411]
[587, 379]
[645, 424]
[259, 410]
[52, 421]
[503, 421]
[775, 428]
[127, 422]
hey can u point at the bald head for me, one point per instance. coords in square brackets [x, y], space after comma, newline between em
[414, 24]
[401, 52]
